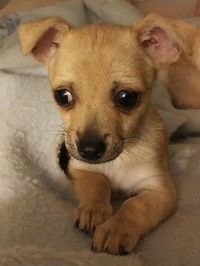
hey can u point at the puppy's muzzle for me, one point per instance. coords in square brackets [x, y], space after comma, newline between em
[91, 148]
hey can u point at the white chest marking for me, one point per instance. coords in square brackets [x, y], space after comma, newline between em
[124, 173]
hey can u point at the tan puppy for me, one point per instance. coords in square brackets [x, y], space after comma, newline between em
[101, 77]
[182, 78]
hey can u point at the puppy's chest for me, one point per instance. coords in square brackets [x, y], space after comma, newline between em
[126, 175]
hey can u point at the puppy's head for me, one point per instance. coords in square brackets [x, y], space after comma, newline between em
[101, 77]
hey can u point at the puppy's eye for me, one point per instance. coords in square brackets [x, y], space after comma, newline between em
[127, 99]
[63, 97]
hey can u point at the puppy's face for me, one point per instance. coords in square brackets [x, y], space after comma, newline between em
[101, 82]
[101, 77]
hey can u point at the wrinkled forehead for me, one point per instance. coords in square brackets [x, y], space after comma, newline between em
[94, 54]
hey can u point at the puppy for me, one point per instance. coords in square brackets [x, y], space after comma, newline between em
[182, 78]
[101, 78]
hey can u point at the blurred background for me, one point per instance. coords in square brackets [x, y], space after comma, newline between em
[173, 8]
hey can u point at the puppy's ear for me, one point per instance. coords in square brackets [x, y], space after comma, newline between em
[42, 38]
[159, 40]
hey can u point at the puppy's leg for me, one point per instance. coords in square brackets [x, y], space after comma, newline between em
[94, 194]
[136, 217]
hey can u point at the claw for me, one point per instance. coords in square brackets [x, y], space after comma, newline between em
[122, 252]
[93, 230]
[85, 229]
[106, 249]
[76, 223]
[93, 248]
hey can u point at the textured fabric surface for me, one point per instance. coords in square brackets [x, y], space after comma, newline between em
[36, 199]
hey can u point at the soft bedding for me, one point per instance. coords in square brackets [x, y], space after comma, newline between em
[36, 199]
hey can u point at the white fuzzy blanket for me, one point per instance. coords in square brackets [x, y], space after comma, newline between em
[36, 201]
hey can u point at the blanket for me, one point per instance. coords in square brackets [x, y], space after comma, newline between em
[36, 199]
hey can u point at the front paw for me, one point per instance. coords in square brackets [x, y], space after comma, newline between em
[89, 215]
[115, 236]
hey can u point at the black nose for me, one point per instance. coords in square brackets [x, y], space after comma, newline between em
[91, 149]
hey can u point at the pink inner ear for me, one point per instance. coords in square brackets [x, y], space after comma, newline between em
[154, 36]
[160, 46]
[47, 45]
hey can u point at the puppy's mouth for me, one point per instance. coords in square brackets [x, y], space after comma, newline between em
[108, 156]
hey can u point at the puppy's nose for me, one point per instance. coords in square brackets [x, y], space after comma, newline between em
[91, 149]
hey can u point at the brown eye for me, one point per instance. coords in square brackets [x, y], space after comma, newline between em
[127, 99]
[63, 97]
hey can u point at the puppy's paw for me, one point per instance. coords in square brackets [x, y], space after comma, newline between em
[89, 215]
[115, 236]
